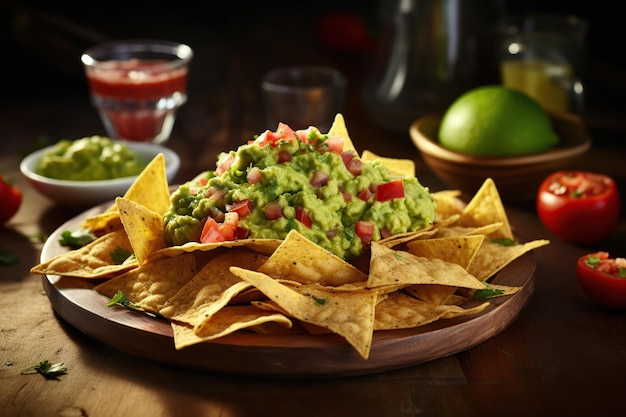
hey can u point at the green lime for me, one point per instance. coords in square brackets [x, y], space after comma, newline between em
[494, 120]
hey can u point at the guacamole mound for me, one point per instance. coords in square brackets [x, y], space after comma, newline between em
[299, 180]
[90, 158]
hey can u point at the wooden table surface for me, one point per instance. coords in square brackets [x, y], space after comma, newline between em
[564, 355]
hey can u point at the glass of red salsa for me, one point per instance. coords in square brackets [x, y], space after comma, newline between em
[137, 86]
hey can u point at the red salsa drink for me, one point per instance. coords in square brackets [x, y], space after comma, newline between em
[137, 86]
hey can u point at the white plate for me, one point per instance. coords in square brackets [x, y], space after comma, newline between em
[84, 194]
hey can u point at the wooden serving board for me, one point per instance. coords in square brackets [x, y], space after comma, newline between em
[280, 356]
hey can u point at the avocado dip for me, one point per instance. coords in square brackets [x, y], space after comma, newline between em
[299, 180]
[88, 159]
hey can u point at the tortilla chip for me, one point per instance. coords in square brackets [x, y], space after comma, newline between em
[150, 285]
[397, 239]
[224, 322]
[143, 226]
[103, 223]
[448, 203]
[261, 246]
[299, 259]
[486, 208]
[456, 231]
[211, 288]
[400, 311]
[347, 314]
[389, 267]
[492, 257]
[339, 129]
[396, 167]
[459, 250]
[97, 259]
[151, 189]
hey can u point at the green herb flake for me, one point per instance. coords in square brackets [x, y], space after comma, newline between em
[592, 261]
[486, 294]
[398, 256]
[7, 258]
[505, 241]
[320, 301]
[120, 255]
[47, 370]
[121, 299]
[76, 239]
[39, 237]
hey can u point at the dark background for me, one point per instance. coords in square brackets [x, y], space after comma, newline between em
[43, 40]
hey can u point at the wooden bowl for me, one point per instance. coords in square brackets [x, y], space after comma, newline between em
[517, 177]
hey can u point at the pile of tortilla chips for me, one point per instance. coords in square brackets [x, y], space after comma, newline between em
[293, 286]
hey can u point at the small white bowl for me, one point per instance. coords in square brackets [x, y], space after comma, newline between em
[85, 194]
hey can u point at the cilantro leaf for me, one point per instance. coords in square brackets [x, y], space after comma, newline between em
[47, 370]
[504, 241]
[121, 299]
[592, 261]
[120, 255]
[7, 258]
[76, 239]
[486, 294]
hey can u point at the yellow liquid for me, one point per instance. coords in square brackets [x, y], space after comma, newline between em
[539, 80]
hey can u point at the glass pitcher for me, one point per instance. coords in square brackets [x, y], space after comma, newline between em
[430, 52]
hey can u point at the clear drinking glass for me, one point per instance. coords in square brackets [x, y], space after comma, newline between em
[137, 86]
[303, 96]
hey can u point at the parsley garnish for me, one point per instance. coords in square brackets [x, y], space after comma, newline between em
[120, 255]
[76, 239]
[120, 298]
[592, 261]
[8, 258]
[487, 293]
[39, 237]
[504, 241]
[47, 370]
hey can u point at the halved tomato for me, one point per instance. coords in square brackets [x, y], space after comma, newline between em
[603, 279]
[578, 206]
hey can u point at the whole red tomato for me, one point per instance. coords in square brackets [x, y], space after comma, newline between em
[603, 279]
[578, 206]
[10, 200]
[344, 32]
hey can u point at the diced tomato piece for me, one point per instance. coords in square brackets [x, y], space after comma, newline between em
[254, 175]
[365, 194]
[211, 232]
[273, 211]
[303, 217]
[229, 226]
[284, 156]
[283, 132]
[384, 232]
[347, 157]
[223, 167]
[390, 190]
[241, 233]
[304, 136]
[365, 231]
[319, 179]
[242, 208]
[335, 144]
